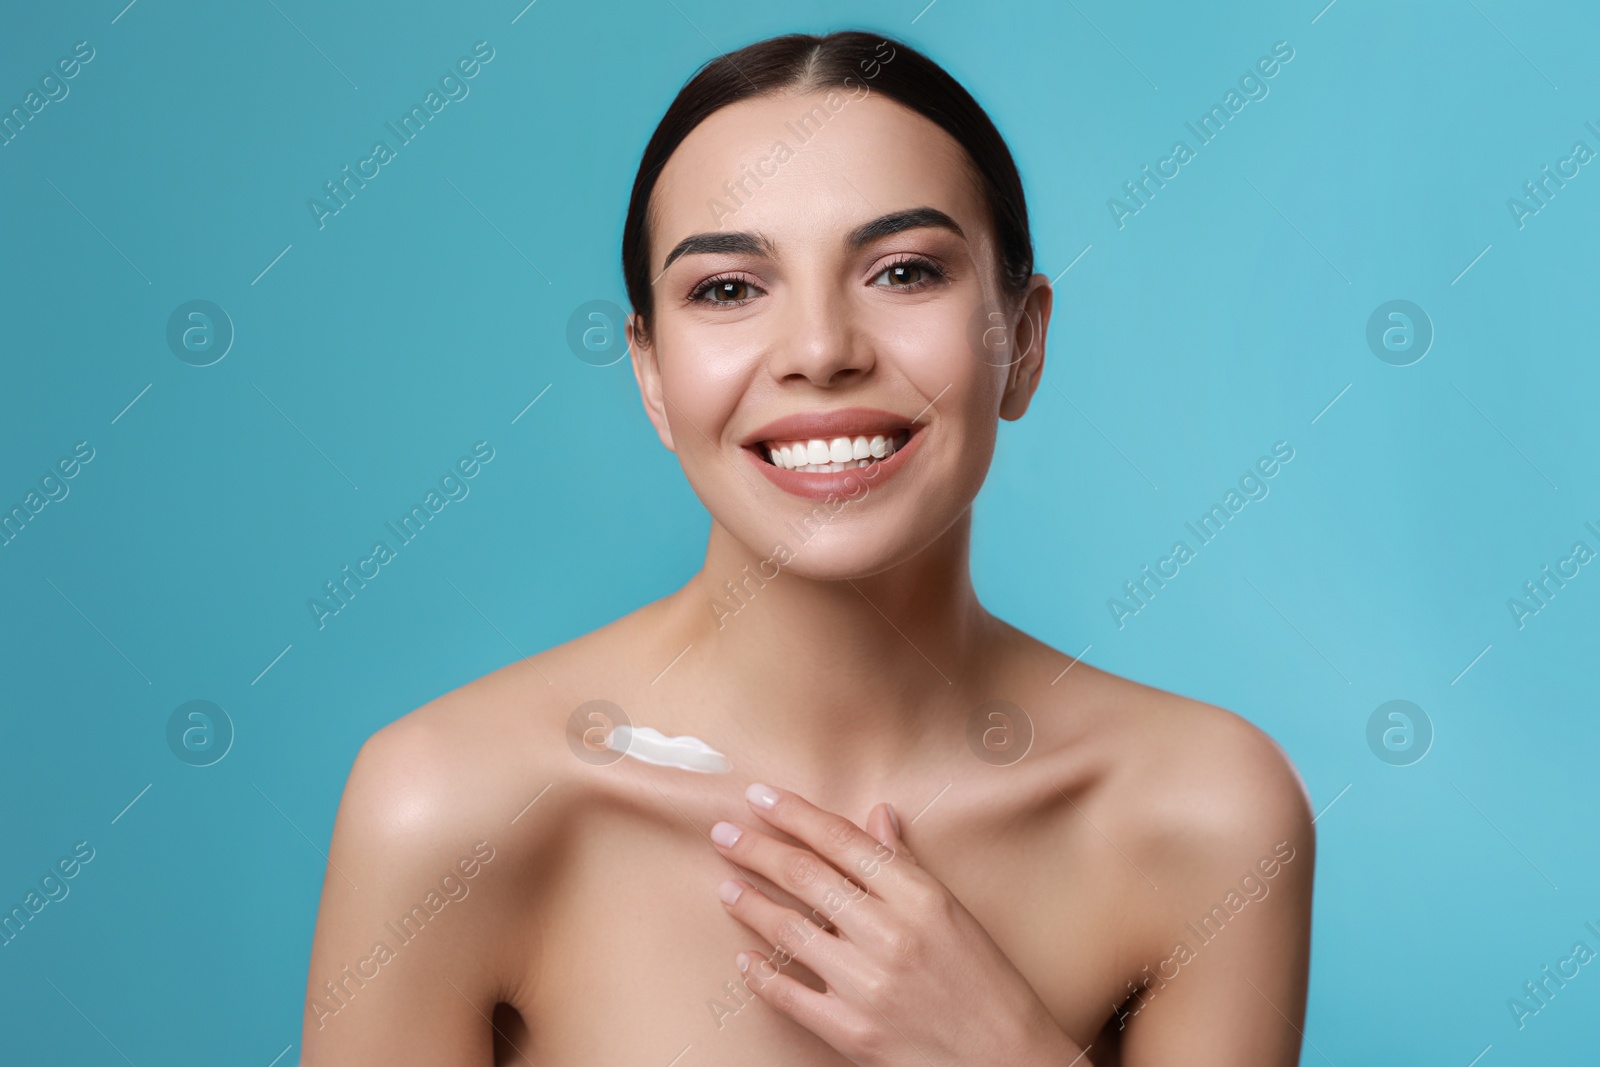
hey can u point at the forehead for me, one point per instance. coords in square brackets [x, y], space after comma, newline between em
[804, 169]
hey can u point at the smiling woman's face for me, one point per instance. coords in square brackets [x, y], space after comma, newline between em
[838, 284]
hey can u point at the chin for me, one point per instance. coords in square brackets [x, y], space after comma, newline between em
[823, 547]
[821, 561]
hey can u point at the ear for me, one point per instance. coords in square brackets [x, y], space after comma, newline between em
[647, 372]
[1033, 321]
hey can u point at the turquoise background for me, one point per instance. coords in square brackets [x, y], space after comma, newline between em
[371, 353]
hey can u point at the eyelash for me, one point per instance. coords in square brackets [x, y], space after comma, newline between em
[697, 294]
[936, 274]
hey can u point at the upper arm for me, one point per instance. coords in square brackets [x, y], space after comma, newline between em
[1228, 986]
[401, 969]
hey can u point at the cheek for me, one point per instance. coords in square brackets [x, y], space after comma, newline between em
[704, 374]
[933, 352]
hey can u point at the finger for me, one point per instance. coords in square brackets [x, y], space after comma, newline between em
[879, 825]
[817, 1012]
[791, 935]
[797, 871]
[884, 824]
[838, 840]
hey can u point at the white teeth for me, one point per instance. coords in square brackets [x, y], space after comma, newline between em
[819, 456]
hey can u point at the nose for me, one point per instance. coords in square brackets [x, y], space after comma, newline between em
[820, 341]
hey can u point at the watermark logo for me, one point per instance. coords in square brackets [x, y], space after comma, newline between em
[53, 89]
[992, 339]
[199, 733]
[741, 594]
[1253, 887]
[200, 333]
[454, 886]
[1538, 192]
[454, 485]
[999, 733]
[588, 727]
[1140, 191]
[802, 129]
[1399, 733]
[52, 888]
[52, 488]
[454, 87]
[1537, 993]
[1139, 592]
[596, 333]
[1399, 333]
[1539, 591]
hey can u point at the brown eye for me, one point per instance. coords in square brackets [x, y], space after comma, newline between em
[910, 274]
[723, 291]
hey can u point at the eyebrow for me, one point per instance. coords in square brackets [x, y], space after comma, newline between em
[736, 243]
[895, 222]
[746, 243]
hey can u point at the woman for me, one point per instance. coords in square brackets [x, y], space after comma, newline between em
[941, 841]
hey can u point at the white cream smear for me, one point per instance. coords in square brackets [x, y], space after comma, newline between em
[653, 746]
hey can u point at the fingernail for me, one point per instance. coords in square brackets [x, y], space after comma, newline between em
[762, 796]
[729, 891]
[895, 819]
[743, 960]
[725, 834]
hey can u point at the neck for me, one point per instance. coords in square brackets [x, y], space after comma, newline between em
[839, 682]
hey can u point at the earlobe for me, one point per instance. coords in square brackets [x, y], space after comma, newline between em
[647, 372]
[1025, 372]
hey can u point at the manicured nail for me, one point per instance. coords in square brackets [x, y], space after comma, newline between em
[894, 819]
[743, 960]
[725, 834]
[729, 891]
[761, 796]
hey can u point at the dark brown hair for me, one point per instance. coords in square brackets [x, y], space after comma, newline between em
[805, 63]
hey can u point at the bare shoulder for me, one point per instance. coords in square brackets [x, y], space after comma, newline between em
[475, 760]
[453, 766]
[1215, 765]
[440, 828]
[1201, 793]
[1210, 823]
[1193, 787]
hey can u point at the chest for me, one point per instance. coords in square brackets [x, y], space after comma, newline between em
[635, 959]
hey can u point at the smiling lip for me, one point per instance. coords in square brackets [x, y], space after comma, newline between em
[844, 422]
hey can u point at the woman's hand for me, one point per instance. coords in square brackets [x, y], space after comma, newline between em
[912, 978]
